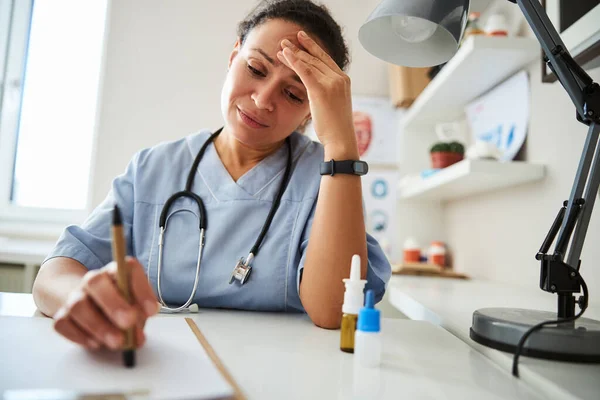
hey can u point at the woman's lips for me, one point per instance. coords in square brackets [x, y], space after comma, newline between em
[249, 121]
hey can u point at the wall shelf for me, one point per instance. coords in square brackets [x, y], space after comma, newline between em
[469, 177]
[480, 64]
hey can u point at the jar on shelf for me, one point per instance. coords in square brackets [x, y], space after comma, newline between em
[412, 251]
[437, 254]
[496, 25]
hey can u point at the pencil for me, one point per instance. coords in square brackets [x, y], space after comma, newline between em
[118, 250]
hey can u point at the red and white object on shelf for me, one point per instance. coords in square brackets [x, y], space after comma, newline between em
[412, 251]
[437, 254]
[496, 25]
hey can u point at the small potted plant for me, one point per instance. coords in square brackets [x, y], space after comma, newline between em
[445, 154]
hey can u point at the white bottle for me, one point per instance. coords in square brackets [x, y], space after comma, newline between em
[367, 340]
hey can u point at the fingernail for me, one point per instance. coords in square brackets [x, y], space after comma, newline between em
[122, 318]
[113, 341]
[92, 344]
[60, 313]
[151, 307]
[288, 52]
[287, 43]
[303, 34]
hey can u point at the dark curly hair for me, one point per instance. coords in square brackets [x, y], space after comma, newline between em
[315, 19]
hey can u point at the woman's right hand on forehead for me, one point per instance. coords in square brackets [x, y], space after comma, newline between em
[96, 313]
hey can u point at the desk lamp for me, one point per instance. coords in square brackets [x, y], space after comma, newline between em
[420, 33]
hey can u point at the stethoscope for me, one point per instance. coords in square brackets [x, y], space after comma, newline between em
[241, 271]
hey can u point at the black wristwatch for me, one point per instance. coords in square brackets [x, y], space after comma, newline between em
[352, 167]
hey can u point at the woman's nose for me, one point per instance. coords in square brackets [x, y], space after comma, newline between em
[263, 97]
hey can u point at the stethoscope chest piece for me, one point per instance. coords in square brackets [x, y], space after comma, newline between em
[241, 271]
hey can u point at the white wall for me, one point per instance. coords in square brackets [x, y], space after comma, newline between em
[166, 61]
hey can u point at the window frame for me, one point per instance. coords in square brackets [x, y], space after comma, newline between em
[34, 221]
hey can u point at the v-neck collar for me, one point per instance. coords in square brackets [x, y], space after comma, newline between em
[252, 184]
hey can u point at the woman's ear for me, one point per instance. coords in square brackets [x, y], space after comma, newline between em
[307, 120]
[234, 52]
[304, 123]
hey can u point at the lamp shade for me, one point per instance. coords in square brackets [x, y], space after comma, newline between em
[415, 33]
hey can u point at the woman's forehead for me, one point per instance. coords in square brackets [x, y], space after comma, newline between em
[268, 36]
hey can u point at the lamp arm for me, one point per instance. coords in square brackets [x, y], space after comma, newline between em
[570, 75]
[558, 275]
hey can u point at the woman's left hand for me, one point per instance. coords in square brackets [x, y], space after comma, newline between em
[328, 89]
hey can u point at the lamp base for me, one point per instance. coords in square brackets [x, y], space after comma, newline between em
[502, 328]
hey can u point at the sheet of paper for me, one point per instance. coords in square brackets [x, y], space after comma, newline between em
[172, 364]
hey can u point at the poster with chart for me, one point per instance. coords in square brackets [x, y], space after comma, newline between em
[377, 125]
[379, 193]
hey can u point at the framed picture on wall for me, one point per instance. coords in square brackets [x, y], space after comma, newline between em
[578, 23]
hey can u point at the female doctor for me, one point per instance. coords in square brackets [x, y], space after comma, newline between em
[286, 68]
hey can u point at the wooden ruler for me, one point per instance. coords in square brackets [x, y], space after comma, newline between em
[238, 394]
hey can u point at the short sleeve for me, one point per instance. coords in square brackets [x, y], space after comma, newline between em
[379, 269]
[90, 242]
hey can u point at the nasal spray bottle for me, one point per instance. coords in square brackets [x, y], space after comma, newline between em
[353, 301]
[368, 335]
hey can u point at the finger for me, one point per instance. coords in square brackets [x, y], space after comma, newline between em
[314, 49]
[141, 316]
[309, 75]
[67, 328]
[306, 57]
[140, 338]
[141, 289]
[89, 318]
[104, 292]
[282, 58]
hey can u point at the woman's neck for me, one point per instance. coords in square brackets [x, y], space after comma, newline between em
[237, 157]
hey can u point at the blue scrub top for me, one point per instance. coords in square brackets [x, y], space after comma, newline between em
[235, 212]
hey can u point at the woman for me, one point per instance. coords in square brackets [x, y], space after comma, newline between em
[279, 78]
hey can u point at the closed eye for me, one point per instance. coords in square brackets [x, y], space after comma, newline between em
[259, 74]
[294, 97]
[256, 72]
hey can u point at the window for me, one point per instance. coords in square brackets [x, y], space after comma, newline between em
[50, 66]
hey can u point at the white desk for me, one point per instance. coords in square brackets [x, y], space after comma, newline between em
[30, 253]
[284, 356]
[450, 303]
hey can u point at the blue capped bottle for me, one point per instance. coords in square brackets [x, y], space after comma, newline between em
[367, 340]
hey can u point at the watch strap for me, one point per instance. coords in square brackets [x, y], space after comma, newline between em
[333, 167]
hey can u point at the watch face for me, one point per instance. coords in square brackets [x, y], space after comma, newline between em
[360, 167]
